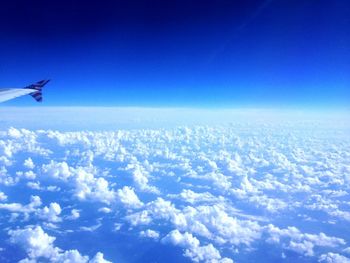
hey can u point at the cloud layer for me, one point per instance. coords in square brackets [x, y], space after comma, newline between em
[213, 193]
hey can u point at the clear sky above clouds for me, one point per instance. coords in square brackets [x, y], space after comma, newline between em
[179, 53]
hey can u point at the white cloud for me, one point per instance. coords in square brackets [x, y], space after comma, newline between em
[185, 240]
[30, 175]
[105, 210]
[5, 160]
[28, 163]
[39, 244]
[207, 221]
[98, 258]
[3, 196]
[193, 249]
[35, 241]
[327, 205]
[192, 197]
[241, 181]
[50, 213]
[75, 214]
[14, 133]
[128, 197]
[270, 204]
[140, 177]
[305, 247]
[35, 202]
[149, 233]
[139, 218]
[89, 187]
[6, 179]
[333, 258]
[86, 186]
[21, 140]
[302, 243]
[57, 170]
[90, 228]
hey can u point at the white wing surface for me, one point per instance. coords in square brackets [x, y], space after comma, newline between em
[9, 94]
[34, 90]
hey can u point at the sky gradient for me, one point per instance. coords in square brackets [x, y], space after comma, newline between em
[179, 53]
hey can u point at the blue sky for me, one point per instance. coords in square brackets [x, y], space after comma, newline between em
[291, 54]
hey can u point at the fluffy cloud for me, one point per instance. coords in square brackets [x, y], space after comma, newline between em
[35, 241]
[208, 221]
[89, 187]
[98, 258]
[28, 163]
[222, 189]
[320, 203]
[302, 243]
[35, 202]
[39, 244]
[75, 214]
[3, 196]
[150, 234]
[333, 258]
[21, 141]
[128, 197]
[140, 177]
[86, 186]
[192, 197]
[50, 213]
[57, 170]
[193, 249]
[30, 175]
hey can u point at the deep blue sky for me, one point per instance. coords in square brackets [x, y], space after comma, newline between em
[179, 53]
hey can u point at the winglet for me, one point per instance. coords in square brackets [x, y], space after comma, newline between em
[37, 94]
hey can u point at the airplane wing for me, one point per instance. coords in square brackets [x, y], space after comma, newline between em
[34, 90]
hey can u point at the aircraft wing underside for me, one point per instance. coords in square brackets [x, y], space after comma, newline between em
[8, 94]
[35, 90]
